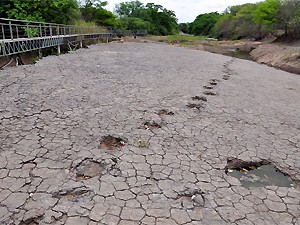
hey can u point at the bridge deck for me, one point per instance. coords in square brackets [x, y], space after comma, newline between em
[20, 45]
[18, 36]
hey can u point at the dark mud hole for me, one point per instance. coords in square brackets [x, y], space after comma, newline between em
[111, 143]
[226, 77]
[165, 112]
[257, 174]
[194, 106]
[150, 125]
[32, 221]
[200, 98]
[88, 169]
[210, 93]
[72, 194]
[213, 82]
[190, 198]
[208, 87]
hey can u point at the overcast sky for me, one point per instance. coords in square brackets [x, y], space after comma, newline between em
[187, 10]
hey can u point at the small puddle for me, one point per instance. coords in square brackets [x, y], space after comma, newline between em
[238, 54]
[258, 174]
[233, 52]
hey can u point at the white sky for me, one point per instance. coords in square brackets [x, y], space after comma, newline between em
[188, 10]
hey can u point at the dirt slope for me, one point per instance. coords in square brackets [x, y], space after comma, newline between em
[286, 58]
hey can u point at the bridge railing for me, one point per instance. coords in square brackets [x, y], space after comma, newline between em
[19, 36]
[15, 29]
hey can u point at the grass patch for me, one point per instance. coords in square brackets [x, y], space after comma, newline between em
[178, 39]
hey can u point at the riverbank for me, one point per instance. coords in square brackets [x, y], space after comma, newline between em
[284, 57]
[281, 56]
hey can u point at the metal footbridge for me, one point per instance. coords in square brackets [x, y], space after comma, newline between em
[19, 36]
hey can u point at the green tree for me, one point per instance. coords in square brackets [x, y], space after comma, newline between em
[55, 11]
[245, 26]
[164, 21]
[266, 13]
[289, 18]
[248, 20]
[132, 23]
[93, 11]
[158, 19]
[130, 9]
[185, 27]
[204, 23]
[225, 27]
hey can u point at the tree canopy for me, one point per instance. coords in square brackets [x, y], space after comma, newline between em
[204, 23]
[155, 18]
[94, 11]
[289, 18]
[55, 11]
[250, 20]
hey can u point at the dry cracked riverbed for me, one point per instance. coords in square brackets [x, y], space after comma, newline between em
[141, 133]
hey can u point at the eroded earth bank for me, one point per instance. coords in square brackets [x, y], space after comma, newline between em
[146, 133]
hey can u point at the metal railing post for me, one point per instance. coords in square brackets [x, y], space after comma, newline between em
[3, 34]
[17, 29]
[57, 32]
[50, 30]
[27, 29]
[41, 31]
[11, 31]
[3, 48]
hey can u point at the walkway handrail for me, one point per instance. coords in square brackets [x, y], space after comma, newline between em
[19, 36]
[15, 29]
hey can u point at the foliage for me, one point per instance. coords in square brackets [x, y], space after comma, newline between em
[249, 21]
[204, 23]
[83, 23]
[93, 11]
[55, 11]
[185, 27]
[289, 18]
[156, 18]
[132, 23]
[130, 9]
[254, 20]
[225, 28]
[31, 31]
[237, 22]
[266, 13]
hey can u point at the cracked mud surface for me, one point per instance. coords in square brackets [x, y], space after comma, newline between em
[54, 115]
